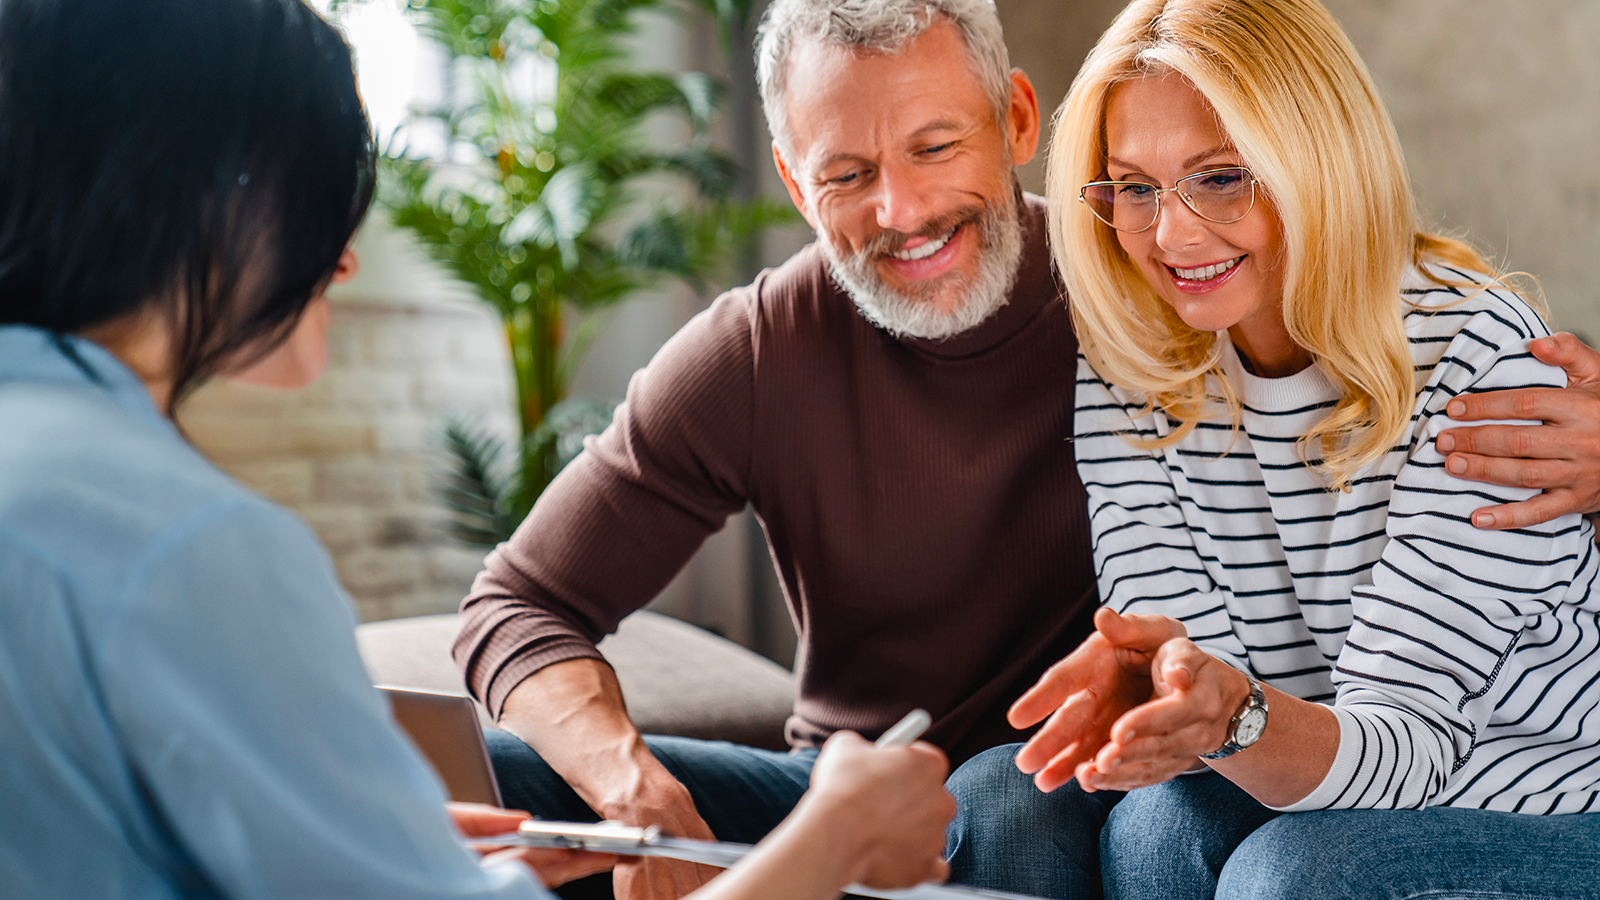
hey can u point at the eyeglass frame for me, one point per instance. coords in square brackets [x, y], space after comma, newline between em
[1175, 189]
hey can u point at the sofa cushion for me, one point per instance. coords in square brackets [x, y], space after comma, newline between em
[677, 679]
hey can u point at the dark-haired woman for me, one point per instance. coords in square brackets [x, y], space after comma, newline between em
[182, 709]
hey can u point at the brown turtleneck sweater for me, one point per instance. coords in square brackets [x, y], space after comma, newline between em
[919, 497]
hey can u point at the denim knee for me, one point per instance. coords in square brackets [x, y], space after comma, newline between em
[1283, 859]
[1008, 835]
[528, 783]
[1171, 840]
[1434, 852]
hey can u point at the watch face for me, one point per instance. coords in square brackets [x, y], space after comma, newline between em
[1251, 724]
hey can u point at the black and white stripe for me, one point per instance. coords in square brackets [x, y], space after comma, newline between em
[1463, 665]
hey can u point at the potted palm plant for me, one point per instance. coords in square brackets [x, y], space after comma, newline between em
[551, 223]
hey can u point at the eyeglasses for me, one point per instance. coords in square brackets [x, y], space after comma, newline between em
[1216, 195]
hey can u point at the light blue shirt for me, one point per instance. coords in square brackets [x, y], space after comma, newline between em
[182, 709]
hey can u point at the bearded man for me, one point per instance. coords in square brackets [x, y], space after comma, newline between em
[894, 402]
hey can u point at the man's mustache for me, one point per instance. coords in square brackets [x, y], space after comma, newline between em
[891, 241]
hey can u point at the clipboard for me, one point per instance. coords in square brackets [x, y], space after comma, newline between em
[628, 840]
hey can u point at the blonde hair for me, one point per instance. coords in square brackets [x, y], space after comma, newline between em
[1300, 107]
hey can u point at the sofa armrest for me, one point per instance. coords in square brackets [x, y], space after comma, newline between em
[677, 679]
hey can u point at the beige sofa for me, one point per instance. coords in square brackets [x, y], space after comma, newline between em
[677, 679]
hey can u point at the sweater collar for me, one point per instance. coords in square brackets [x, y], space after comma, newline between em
[1036, 288]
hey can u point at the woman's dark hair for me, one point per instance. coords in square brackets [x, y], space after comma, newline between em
[208, 157]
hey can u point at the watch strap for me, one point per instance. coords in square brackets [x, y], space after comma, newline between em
[1256, 700]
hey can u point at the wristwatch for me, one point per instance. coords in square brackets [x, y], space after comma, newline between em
[1247, 724]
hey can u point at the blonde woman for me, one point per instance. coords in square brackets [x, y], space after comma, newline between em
[1299, 616]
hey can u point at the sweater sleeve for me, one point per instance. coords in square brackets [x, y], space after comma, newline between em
[620, 521]
[1145, 554]
[1429, 653]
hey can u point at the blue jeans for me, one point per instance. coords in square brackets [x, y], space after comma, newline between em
[1170, 841]
[1199, 836]
[741, 792]
[1010, 836]
[1441, 853]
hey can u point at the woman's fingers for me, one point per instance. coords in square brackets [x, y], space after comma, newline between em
[1134, 775]
[887, 802]
[1073, 733]
[1064, 766]
[555, 867]
[1081, 697]
[1140, 633]
[1039, 701]
[483, 820]
[1060, 681]
[1144, 759]
[1119, 642]
[1158, 739]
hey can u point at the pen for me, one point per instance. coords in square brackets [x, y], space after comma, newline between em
[906, 730]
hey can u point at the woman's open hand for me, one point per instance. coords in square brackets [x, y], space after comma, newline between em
[1087, 693]
[1194, 697]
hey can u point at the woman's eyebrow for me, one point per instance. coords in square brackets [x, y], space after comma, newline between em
[1189, 163]
[1203, 156]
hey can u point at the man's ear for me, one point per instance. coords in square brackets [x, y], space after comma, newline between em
[1022, 119]
[795, 195]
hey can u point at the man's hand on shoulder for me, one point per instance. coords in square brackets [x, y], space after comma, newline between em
[1560, 457]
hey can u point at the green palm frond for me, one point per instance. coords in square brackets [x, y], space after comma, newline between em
[475, 490]
[555, 221]
[698, 243]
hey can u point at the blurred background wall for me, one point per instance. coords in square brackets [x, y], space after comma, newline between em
[1497, 105]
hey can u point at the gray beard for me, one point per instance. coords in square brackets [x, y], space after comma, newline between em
[914, 314]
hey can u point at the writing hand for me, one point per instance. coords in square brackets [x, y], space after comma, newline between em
[891, 801]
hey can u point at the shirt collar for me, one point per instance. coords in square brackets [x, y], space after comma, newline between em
[30, 354]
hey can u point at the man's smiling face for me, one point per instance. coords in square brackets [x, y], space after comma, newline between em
[901, 167]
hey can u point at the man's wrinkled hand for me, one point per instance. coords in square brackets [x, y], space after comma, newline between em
[1560, 457]
[1085, 694]
[669, 807]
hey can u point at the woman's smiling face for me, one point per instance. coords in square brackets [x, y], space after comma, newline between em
[1216, 277]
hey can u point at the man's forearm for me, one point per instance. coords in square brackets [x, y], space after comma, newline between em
[573, 715]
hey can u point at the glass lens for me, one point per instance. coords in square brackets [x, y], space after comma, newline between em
[1124, 205]
[1221, 195]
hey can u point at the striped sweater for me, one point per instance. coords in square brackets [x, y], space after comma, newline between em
[1463, 666]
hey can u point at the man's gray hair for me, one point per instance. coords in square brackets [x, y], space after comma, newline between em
[874, 26]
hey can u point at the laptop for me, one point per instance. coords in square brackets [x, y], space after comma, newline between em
[445, 728]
